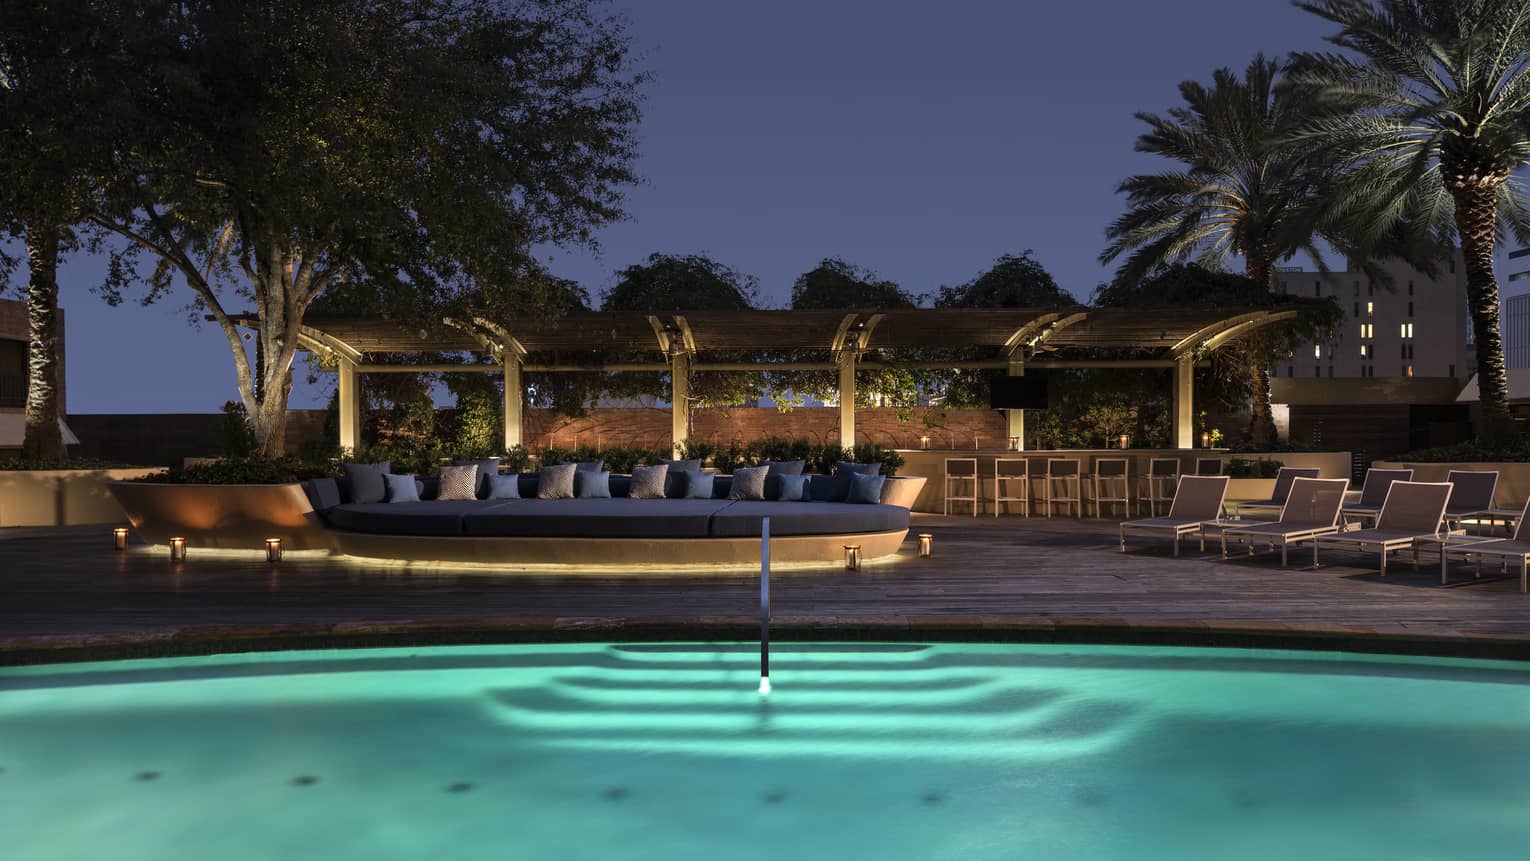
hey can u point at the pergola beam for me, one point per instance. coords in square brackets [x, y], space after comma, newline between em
[1196, 341]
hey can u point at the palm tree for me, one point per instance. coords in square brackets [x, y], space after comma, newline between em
[1235, 194]
[1429, 117]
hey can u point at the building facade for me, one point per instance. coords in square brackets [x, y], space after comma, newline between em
[1514, 272]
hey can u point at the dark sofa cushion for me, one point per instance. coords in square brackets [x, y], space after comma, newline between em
[742, 519]
[323, 493]
[595, 518]
[406, 518]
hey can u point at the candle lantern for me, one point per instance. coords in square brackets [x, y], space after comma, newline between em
[1014, 443]
[177, 549]
[852, 557]
[926, 545]
[119, 537]
[924, 442]
[1124, 441]
[273, 550]
[1205, 439]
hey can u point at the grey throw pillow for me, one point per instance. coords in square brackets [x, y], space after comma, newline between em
[592, 484]
[682, 465]
[865, 489]
[648, 482]
[586, 465]
[779, 468]
[504, 486]
[749, 483]
[458, 483]
[793, 488]
[556, 482]
[842, 473]
[698, 485]
[402, 488]
[364, 481]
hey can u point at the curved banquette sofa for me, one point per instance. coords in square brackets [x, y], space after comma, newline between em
[618, 530]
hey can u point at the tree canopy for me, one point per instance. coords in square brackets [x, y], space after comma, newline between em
[1014, 281]
[833, 283]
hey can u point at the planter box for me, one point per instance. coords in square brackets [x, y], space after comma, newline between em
[231, 516]
[62, 497]
[1247, 489]
[902, 490]
[1513, 478]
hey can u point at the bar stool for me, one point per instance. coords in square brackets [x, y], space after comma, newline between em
[1007, 469]
[1162, 477]
[1109, 471]
[1065, 470]
[1208, 466]
[960, 470]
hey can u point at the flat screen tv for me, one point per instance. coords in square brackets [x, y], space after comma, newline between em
[1019, 393]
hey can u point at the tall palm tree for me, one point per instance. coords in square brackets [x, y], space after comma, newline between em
[1235, 194]
[1430, 116]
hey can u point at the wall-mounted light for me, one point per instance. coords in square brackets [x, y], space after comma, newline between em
[273, 550]
[177, 549]
[119, 537]
[926, 545]
[1124, 441]
[924, 442]
[852, 557]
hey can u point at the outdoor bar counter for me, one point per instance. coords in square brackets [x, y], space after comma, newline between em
[931, 463]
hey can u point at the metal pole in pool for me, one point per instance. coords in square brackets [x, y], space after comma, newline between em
[765, 606]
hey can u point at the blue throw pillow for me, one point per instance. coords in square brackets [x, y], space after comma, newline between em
[592, 484]
[504, 486]
[698, 485]
[401, 488]
[364, 481]
[865, 489]
[793, 488]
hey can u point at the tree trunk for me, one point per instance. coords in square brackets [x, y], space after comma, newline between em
[1259, 268]
[44, 439]
[1476, 217]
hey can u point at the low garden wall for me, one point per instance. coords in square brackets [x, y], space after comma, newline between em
[1513, 478]
[62, 497]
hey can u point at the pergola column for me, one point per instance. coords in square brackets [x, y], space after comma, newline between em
[847, 401]
[680, 396]
[514, 400]
[1015, 418]
[350, 406]
[1184, 406]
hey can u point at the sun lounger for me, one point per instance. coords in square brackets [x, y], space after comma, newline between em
[1514, 548]
[1412, 510]
[1311, 509]
[1197, 501]
[1374, 492]
[1472, 495]
[1283, 478]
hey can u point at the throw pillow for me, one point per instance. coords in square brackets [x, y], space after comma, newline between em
[458, 483]
[682, 465]
[779, 468]
[698, 485]
[586, 465]
[504, 486]
[749, 483]
[842, 472]
[793, 488]
[486, 468]
[866, 489]
[364, 481]
[648, 482]
[402, 488]
[556, 482]
[592, 484]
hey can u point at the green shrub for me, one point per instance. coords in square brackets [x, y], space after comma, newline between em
[1468, 452]
[819, 458]
[242, 471]
[1258, 468]
[22, 464]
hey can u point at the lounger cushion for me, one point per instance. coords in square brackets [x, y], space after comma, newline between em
[405, 518]
[742, 519]
[595, 518]
[323, 493]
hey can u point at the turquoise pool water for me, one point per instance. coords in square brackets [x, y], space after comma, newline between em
[862, 751]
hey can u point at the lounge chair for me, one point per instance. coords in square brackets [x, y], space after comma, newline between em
[1197, 501]
[1277, 501]
[1515, 547]
[1311, 509]
[1472, 497]
[1412, 510]
[1373, 493]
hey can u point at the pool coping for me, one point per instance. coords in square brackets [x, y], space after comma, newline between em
[206, 640]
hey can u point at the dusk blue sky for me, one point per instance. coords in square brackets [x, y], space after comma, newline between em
[919, 139]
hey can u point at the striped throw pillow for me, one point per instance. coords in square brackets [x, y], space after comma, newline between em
[458, 482]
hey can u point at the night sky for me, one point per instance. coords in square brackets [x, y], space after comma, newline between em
[919, 139]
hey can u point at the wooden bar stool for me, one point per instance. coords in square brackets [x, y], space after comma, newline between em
[1163, 475]
[1066, 472]
[959, 471]
[1111, 476]
[1011, 469]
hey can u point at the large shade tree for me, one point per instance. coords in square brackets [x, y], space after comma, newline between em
[834, 285]
[67, 93]
[1428, 112]
[1233, 193]
[378, 142]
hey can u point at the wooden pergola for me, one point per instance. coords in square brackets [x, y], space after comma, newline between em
[674, 343]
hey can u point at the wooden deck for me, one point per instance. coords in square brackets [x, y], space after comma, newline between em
[1034, 579]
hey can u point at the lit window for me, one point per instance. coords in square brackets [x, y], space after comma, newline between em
[1409, 371]
[1370, 309]
[1367, 330]
[1317, 351]
[1365, 350]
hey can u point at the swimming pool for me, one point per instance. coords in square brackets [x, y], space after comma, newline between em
[862, 751]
